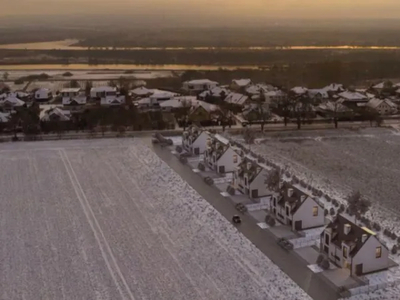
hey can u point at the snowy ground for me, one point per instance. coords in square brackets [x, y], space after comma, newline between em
[339, 161]
[107, 219]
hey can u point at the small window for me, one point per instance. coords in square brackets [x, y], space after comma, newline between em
[345, 251]
[378, 252]
[274, 201]
[287, 210]
[315, 211]
[235, 159]
[326, 239]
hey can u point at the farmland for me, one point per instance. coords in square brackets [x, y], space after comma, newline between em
[340, 161]
[107, 219]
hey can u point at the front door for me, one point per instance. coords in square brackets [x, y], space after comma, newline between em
[196, 151]
[359, 269]
[298, 225]
[221, 169]
[254, 193]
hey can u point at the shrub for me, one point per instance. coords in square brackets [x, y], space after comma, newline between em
[183, 159]
[209, 180]
[201, 166]
[319, 193]
[394, 249]
[230, 190]
[325, 264]
[398, 240]
[386, 232]
[261, 160]
[67, 74]
[320, 258]
[271, 221]
[302, 183]
[178, 149]
[340, 210]
[326, 212]
[393, 236]
[19, 81]
[376, 226]
[332, 211]
[328, 198]
[295, 180]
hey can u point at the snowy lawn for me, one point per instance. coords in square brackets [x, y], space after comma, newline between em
[107, 219]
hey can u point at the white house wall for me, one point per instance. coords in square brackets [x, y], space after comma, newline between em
[305, 214]
[366, 256]
[259, 184]
[226, 160]
[201, 142]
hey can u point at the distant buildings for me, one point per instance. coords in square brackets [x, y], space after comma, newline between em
[198, 85]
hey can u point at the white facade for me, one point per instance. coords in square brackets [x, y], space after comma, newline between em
[199, 85]
[194, 140]
[228, 162]
[43, 94]
[249, 183]
[103, 92]
[112, 100]
[354, 248]
[68, 94]
[297, 210]
[367, 257]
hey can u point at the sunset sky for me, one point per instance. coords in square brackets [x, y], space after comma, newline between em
[223, 8]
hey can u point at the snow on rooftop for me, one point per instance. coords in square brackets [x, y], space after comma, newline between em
[201, 81]
[241, 82]
[222, 139]
[299, 90]
[99, 89]
[70, 90]
[236, 98]
[141, 91]
[352, 96]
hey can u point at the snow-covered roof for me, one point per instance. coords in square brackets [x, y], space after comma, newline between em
[380, 85]
[375, 102]
[179, 102]
[141, 91]
[333, 106]
[299, 90]
[215, 91]
[277, 93]
[333, 87]
[200, 81]
[398, 91]
[64, 115]
[115, 100]
[322, 92]
[207, 106]
[99, 89]
[4, 117]
[43, 90]
[241, 82]
[236, 98]
[352, 96]
[14, 101]
[70, 90]
[221, 139]
[163, 93]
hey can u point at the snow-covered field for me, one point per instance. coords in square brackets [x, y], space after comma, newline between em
[107, 219]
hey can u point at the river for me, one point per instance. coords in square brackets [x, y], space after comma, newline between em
[69, 45]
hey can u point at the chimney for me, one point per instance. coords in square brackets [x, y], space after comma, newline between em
[347, 228]
[363, 238]
[302, 198]
[290, 192]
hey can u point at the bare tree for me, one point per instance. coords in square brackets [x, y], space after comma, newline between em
[272, 180]
[357, 204]
[249, 136]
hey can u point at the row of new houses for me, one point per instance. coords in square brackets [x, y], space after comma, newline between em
[345, 243]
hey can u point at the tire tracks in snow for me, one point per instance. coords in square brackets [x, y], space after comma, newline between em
[105, 249]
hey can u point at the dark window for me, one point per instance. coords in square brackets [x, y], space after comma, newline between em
[327, 239]
[344, 251]
[287, 210]
[378, 252]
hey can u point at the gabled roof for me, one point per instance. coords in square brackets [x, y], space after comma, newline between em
[236, 98]
[333, 87]
[141, 91]
[375, 102]
[70, 90]
[250, 167]
[294, 201]
[276, 93]
[64, 115]
[14, 101]
[215, 92]
[315, 92]
[200, 81]
[353, 239]
[241, 82]
[331, 106]
[299, 90]
[380, 85]
[352, 96]
[99, 89]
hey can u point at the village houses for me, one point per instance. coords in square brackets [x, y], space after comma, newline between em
[220, 155]
[194, 140]
[249, 178]
[198, 85]
[296, 209]
[353, 247]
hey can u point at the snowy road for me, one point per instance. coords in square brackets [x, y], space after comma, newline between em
[107, 219]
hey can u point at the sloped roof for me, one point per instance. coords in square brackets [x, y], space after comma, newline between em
[242, 82]
[141, 91]
[380, 85]
[322, 92]
[333, 87]
[215, 91]
[293, 201]
[353, 239]
[98, 89]
[14, 101]
[65, 115]
[375, 102]
[333, 106]
[251, 172]
[70, 90]
[299, 90]
[236, 98]
[352, 96]
[200, 81]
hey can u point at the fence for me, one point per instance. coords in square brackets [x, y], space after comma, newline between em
[372, 287]
[257, 206]
[305, 242]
